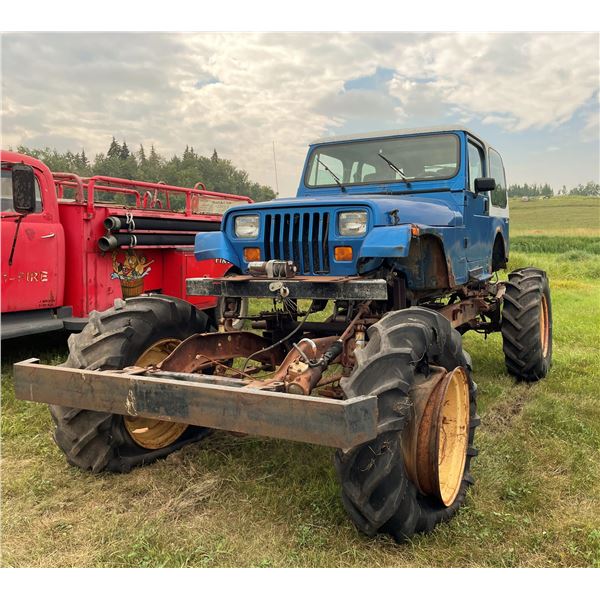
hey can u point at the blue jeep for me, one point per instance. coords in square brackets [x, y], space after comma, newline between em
[413, 202]
[389, 252]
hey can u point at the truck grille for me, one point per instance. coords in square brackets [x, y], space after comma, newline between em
[300, 237]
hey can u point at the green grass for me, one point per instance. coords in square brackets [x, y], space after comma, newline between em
[562, 215]
[244, 501]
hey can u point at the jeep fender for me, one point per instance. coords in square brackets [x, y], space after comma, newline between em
[387, 242]
[420, 255]
[214, 244]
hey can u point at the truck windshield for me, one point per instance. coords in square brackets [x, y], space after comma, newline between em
[418, 158]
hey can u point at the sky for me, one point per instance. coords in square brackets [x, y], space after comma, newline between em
[533, 96]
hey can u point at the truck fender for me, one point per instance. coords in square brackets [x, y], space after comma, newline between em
[214, 245]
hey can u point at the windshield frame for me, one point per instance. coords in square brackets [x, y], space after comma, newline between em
[315, 149]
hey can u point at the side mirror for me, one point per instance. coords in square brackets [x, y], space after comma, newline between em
[485, 184]
[23, 189]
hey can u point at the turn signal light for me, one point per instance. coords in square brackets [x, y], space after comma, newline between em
[343, 253]
[251, 254]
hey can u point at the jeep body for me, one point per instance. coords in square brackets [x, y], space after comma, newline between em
[432, 218]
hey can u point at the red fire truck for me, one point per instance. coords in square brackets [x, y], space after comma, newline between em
[90, 241]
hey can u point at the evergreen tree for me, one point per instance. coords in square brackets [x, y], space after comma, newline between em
[530, 190]
[114, 150]
[141, 155]
[153, 158]
[589, 189]
[216, 173]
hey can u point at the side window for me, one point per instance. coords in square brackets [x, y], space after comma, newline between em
[6, 198]
[497, 172]
[475, 165]
[321, 176]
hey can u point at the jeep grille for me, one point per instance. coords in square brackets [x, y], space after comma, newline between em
[301, 237]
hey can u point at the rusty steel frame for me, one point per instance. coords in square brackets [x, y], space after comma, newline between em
[202, 350]
[317, 287]
[465, 312]
[311, 419]
[180, 389]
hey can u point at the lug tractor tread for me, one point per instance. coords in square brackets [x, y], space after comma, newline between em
[113, 339]
[520, 324]
[376, 491]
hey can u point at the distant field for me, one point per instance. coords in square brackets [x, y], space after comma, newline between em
[561, 216]
[233, 501]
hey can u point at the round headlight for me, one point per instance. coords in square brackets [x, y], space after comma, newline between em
[246, 226]
[352, 224]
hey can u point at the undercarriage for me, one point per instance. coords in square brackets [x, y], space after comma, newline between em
[360, 365]
[289, 373]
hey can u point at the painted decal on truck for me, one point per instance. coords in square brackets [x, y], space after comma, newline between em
[130, 271]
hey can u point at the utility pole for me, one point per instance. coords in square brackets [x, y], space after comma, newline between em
[276, 180]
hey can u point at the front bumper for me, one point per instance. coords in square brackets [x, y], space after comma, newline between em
[315, 287]
[204, 400]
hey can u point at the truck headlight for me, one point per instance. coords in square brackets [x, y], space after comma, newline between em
[352, 224]
[246, 226]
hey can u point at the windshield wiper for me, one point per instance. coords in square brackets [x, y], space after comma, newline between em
[394, 168]
[335, 177]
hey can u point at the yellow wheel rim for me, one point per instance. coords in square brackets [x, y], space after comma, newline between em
[435, 441]
[544, 327]
[154, 434]
[453, 436]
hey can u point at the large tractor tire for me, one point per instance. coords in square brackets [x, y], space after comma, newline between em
[415, 474]
[527, 324]
[140, 331]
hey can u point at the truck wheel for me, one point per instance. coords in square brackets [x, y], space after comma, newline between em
[141, 331]
[415, 474]
[527, 324]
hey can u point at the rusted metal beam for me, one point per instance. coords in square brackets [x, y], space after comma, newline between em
[312, 419]
[317, 287]
[463, 312]
[197, 351]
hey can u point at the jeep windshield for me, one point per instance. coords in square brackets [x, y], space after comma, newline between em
[416, 158]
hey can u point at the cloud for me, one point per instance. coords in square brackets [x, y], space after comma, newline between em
[518, 80]
[239, 92]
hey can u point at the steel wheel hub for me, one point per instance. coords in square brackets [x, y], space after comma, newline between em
[154, 434]
[435, 441]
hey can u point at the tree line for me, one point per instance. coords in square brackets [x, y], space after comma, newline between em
[589, 189]
[217, 174]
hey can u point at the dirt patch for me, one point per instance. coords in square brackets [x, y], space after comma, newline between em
[501, 416]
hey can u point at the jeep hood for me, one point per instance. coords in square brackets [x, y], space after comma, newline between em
[384, 209]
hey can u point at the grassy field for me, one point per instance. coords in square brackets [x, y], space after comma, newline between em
[233, 501]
